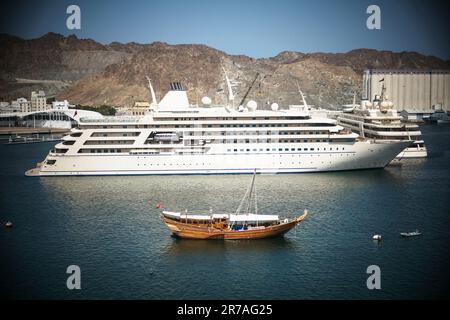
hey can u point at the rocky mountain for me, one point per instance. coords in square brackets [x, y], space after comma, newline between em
[87, 72]
[52, 62]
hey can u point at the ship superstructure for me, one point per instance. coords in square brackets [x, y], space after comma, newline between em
[178, 138]
[380, 121]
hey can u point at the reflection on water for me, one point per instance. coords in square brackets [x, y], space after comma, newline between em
[208, 247]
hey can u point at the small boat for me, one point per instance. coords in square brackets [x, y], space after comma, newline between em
[410, 234]
[8, 224]
[248, 225]
[377, 237]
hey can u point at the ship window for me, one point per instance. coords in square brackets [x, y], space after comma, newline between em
[312, 149]
[235, 150]
[51, 162]
[76, 134]
[305, 149]
[280, 149]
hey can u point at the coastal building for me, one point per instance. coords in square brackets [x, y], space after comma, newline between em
[139, 108]
[21, 104]
[38, 101]
[416, 92]
[6, 107]
[60, 105]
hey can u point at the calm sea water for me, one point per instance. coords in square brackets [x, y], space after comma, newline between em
[109, 226]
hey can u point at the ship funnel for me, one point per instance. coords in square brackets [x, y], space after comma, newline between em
[176, 86]
[176, 97]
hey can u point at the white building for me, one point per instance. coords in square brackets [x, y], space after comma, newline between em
[60, 105]
[38, 101]
[415, 91]
[5, 107]
[21, 104]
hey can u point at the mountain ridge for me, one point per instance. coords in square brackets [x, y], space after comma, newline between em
[114, 73]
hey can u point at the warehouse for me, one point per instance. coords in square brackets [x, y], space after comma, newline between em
[414, 91]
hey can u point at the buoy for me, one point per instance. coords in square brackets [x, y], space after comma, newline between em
[158, 205]
[377, 237]
[8, 224]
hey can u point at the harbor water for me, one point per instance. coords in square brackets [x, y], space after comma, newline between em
[110, 228]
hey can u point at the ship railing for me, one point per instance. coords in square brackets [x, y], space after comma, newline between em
[110, 120]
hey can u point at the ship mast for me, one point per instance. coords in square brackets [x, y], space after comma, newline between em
[303, 96]
[247, 199]
[152, 92]
[230, 89]
[252, 185]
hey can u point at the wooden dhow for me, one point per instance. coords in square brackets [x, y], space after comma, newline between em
[229, 226]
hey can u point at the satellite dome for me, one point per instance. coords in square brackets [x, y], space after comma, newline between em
[274, 106]
[252, 105]
[206, 101]
[384, 104]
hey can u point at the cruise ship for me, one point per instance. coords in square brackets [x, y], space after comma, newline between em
[380, 121]
[175, 137]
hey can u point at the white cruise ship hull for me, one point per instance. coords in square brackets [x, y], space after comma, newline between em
[326, 157]
[413, 152]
